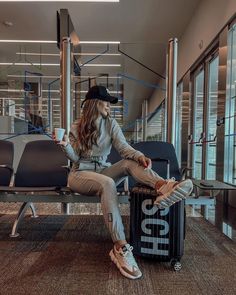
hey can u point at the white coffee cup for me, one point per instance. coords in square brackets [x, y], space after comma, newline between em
[59, 133]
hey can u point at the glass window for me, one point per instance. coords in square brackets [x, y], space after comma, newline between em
[178, 118]
[211, 119]
[198, 124]
[156, 125]
[230, 115]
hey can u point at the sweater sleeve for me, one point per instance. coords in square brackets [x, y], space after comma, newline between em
[71, 148]
[120, 144]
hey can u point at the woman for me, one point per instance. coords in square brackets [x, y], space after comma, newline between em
[90, 141]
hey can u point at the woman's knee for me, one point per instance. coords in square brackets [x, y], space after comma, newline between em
[129, 164]
[107, 183]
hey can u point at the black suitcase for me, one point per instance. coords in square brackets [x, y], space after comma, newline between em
[157, 233]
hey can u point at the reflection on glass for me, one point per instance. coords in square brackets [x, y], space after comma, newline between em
[156, 125]
[178, 118]
[230, 114]
[39, 64]
[227, 230]
[211, 119]
[198, 124]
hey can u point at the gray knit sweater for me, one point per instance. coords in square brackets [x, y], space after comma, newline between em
[110, 135]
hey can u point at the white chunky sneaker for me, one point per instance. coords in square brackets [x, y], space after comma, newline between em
[125, 261]
[171, 191]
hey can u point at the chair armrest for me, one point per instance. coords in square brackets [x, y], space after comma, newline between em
[125, 181]
[66, 167]
[184, 172]
[11, 171]
[7, 167]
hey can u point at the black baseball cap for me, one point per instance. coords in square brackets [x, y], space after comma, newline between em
[100, 92]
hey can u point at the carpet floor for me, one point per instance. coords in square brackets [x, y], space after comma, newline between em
[69, 255]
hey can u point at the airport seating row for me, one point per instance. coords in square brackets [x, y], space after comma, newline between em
[41, 176]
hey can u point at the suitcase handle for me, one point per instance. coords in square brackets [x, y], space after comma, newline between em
[160, 160]
[163, 160]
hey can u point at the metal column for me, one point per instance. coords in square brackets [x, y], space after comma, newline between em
[66, 85]
[171, 89]
[66, 94]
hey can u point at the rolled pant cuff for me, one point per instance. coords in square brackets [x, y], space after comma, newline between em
[118, 237]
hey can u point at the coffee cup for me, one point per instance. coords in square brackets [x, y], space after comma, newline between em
[59, 133]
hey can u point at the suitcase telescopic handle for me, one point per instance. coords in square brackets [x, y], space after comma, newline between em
[163, 160]
[160, 160]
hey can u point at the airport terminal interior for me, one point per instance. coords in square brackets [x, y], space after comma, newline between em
[172, 66]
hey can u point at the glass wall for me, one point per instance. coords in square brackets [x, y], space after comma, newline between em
[230, 116]
[210, 137]
[198, 124]
[178, 128]
[156, 125]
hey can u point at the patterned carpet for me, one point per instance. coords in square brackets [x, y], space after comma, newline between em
[69, 255]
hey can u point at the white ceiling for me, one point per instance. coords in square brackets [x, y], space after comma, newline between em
[142, 27]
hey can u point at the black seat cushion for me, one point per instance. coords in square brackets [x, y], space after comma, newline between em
[6, 158]
[41, 165]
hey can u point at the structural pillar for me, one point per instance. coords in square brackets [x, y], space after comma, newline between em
[171, 89]
[66, 84]
[66, 94]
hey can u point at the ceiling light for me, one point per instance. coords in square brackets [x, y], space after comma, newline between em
[54, 42]
[33, 76]
[84, 91]
[26, 64]
[38, 54]
[93, 54]
[62, 1]
[13, 90]
[55, 65]
[102, 77]
[101, 65]
[57, 77]
[27, 41]
[75, 54]
[99, 42]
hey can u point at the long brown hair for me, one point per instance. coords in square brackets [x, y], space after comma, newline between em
[87, 129]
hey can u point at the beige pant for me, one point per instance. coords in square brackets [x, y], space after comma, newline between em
[104, 183]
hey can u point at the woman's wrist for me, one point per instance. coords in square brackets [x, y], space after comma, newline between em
[63, 143]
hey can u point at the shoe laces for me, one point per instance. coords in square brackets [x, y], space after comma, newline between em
[128, 255]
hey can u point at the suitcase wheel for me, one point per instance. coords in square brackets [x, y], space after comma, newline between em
[176, 264]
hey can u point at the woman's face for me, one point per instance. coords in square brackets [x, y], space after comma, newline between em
[104, 108]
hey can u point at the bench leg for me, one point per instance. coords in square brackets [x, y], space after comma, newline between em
[33, 210]
[206, 212]
[65, 208]
[18, 219]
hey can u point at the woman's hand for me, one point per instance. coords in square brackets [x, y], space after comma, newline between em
[145, 162]
[62, 142]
